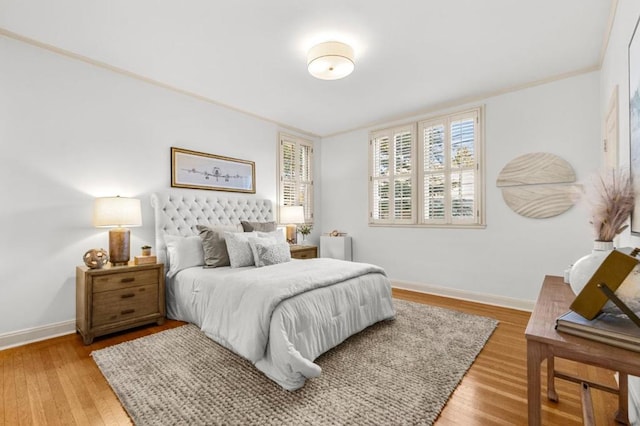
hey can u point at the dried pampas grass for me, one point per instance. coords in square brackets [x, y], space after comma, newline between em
[611, 200]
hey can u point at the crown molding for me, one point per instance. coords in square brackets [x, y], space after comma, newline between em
[610, 21]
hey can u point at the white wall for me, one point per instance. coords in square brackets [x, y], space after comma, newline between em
[70, 132]
[511, 256]
[615, 71]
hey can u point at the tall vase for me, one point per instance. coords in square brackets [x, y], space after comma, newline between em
[584, 268]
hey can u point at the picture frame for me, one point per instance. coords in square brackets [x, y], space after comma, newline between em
[634, 124]
[199, 170]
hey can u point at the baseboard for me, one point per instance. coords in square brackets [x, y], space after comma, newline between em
[487, 299]
[35, 334]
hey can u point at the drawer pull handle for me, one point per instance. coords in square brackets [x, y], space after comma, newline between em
[128, 280]
[303, 255]
[127, 311]
[128, 295]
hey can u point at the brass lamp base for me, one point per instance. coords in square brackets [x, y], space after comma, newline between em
[292, 234]
[119, 246]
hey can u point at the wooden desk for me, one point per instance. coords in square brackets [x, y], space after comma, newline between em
[543, 342]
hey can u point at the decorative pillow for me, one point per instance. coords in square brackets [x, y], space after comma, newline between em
[277, 235]
[214, 245]
[183, 252]
[258, 226]
[238, 248]
[264, 239]
[268, 251]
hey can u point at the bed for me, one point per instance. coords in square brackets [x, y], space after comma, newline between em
[280, 317]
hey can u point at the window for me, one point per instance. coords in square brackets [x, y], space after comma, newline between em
[296, 174]
[392, 186]
[434, 179]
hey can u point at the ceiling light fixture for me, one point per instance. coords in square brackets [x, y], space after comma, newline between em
[331, 60]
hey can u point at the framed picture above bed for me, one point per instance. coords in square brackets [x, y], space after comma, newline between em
[634, 123]
[199, 170]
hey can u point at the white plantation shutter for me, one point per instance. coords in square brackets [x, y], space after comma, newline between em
[441, 185]
[380, 179]
[296, 174]
[463, 169]
[305, 181]
[433, 167]
[451, 182]
[391, 187]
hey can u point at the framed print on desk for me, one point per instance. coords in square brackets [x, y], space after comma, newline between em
[198, 170]
[634, 124]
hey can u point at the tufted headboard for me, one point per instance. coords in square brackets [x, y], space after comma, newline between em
[178, 213]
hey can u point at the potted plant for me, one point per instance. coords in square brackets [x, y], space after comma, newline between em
[305, 230]
[146, 250]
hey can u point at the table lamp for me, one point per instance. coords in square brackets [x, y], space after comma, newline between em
[115, 213]
[291, 216]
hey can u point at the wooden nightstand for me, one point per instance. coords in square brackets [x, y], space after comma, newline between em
[116, 298]
[303, 252]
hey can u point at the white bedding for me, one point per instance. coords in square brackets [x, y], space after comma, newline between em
[282, 317]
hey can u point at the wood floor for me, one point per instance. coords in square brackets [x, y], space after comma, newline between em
[56, 382]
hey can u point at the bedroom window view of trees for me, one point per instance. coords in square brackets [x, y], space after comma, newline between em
[296, 174]
[442, 185]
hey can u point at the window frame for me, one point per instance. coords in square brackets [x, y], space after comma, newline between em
[297, 141]
[418, 173]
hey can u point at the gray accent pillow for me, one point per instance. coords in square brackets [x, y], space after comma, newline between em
[268, 251]
[258, 226]
[214, 244]
[238, 248]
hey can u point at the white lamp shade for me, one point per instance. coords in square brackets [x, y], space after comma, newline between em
[331, 60]
[291, 214]
[117, 211]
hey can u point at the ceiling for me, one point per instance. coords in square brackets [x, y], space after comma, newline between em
[411, 55]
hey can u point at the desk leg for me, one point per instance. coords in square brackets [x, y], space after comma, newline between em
[551, 379]
[622, 416]
[536, 352]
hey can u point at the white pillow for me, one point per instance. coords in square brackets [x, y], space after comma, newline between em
[238, 247]
[268, 251]
[278, 235]
[183, 252]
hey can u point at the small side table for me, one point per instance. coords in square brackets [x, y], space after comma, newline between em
[335, 247]
[303, 252]
[544, 342]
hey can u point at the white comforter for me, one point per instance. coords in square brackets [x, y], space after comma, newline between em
[282, 317]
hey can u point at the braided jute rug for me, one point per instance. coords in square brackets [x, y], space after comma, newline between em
[394, 372]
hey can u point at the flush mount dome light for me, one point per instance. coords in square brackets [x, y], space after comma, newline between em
[330, 60]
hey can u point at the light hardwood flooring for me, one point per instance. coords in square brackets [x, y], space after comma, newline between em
[56, 381]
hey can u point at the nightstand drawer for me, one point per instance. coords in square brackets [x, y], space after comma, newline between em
[120, 305]
[302, 252]
[124, 280]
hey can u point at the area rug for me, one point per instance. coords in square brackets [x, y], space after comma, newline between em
[395, 372]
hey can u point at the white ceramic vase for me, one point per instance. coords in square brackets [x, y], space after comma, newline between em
[584, 268]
